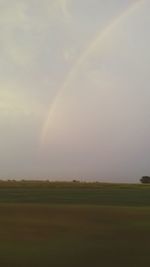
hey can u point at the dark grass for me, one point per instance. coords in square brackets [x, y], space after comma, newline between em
[43, 235]
[69, 225]
[75, 193]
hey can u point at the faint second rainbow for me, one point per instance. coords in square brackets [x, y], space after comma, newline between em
[98, 39]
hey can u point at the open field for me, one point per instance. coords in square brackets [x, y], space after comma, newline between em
[75, 193]
[74, 224]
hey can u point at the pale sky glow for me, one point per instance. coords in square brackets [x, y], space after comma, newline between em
[75, 89]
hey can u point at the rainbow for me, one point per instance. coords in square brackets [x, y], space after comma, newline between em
[98, 39]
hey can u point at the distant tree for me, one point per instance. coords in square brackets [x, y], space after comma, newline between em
[76, 181]
[145, 180]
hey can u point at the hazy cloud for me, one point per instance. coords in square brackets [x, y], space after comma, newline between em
[100, 127]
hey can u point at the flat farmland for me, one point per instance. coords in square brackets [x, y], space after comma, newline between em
[74, 193]
[74, 224]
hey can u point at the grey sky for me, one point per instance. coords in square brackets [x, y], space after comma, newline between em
[100, 122]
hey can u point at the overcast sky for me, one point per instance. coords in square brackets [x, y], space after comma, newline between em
[75, 89]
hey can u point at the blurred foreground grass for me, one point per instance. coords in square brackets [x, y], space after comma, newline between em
[74, 225]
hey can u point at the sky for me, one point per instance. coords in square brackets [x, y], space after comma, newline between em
[75, 89]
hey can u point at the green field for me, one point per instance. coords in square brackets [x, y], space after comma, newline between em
[74, 224]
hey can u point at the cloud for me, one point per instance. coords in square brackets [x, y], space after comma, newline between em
[59, 9]
[13, 15]
[69, 54]
[14, 25]
[65, 10]
[14, 102]
[23, 24]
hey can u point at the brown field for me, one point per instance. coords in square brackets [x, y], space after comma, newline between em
[77, 226]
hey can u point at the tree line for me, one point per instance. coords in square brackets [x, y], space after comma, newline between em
[145, 180]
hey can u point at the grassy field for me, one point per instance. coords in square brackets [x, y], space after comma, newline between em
[74, 224]
[75, 193]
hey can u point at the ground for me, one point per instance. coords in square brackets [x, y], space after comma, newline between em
[74, 224]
